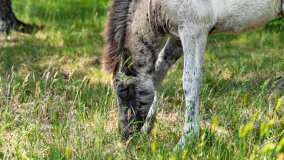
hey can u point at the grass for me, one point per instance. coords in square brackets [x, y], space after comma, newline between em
[57, 103]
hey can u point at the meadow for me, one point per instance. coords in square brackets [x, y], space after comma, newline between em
[57, 103]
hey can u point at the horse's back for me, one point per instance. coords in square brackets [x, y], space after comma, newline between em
[230, 16]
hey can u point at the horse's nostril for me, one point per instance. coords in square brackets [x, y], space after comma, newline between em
[126, 132]
[130, 131]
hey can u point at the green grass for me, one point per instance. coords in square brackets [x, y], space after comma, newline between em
[57, 103]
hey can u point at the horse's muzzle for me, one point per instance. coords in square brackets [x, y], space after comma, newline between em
[126, 129]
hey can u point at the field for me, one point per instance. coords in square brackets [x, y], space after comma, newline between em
[57, 103]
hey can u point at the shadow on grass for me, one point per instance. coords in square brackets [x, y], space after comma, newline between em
[226, 86]
[62, 12]
[21, 57]
[20, 52]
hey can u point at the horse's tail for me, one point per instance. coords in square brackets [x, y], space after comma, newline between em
[115, 34]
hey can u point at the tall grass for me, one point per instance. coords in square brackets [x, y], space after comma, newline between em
[57, 103]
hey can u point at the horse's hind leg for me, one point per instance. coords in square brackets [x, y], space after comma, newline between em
[194, 44]
[168, 56]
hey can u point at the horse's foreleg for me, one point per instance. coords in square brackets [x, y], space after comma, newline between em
[168, 56]
[194, 44]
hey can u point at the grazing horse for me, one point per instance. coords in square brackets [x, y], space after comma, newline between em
[134, 37]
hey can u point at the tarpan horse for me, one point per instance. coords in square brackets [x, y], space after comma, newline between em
[134, 37]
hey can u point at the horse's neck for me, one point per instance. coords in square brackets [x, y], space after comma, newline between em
[142, 38]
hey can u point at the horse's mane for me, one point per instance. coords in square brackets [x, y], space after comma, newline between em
[115, 34]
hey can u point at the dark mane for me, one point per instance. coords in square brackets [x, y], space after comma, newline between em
[115, 34]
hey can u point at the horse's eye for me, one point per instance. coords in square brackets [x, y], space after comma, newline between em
[124, 95]
[124, 92]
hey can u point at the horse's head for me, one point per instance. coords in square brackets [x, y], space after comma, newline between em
[135, 94]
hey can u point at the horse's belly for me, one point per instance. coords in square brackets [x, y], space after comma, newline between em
[239, 26]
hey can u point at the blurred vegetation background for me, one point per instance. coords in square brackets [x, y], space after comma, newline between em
[276, 25]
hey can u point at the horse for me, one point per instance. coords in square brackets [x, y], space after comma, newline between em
[134, 37]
